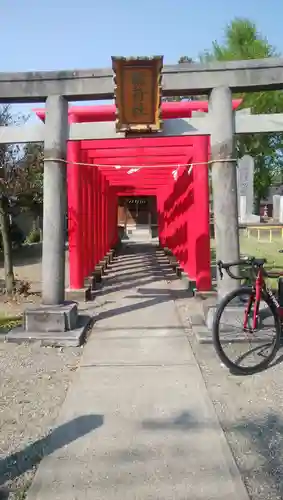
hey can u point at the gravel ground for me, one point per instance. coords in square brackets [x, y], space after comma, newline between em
[34, 385]
[250, 410]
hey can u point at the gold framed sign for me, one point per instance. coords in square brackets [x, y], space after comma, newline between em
[138, 93]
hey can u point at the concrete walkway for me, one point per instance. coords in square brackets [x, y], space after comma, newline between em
[137, 422]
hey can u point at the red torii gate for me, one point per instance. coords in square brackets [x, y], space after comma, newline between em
[182, 201]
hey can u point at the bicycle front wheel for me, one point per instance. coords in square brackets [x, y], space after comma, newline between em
[246, 334]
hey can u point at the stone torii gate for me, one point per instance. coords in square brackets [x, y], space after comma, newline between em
[218, 80]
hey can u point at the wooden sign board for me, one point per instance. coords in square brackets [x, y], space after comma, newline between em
[138, 93]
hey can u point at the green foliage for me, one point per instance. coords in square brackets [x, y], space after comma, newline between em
[9, 322]
[29, 179]
[34, 236]
[241, 42]
[21, 167]
[21, 173]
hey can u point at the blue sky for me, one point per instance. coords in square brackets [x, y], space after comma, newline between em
[68, 34]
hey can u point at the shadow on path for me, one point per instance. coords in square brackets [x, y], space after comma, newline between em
[16, 464]
[156, 298]
[121, 279]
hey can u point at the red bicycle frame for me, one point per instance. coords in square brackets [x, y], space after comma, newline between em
[259, 286]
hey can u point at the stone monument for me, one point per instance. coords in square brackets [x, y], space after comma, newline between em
[245, 186]
[276, 207]
[245, 178]
[281, 210]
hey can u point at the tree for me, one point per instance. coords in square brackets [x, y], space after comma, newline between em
[8, 157]
[30, 179]
[242, 41]
[20, 183]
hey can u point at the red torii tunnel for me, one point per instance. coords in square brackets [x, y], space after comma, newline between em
[101, 170]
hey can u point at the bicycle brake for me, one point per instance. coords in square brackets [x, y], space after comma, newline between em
[220, 267]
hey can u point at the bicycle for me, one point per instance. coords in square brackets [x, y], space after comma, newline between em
[256, 299]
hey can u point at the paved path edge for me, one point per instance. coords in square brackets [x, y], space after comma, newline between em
[239, 485]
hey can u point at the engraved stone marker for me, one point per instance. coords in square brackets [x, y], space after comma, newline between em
[245, 178]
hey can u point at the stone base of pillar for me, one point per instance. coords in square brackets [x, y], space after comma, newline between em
[189, 283]
[110, 256]
[58, 326]
[99, 270]
[201, 321]
[166, 257]
[79, 295]
[51, 318]
[209, 316]
[97, 274]
[105, 262]
[202, 324]
[209, 294]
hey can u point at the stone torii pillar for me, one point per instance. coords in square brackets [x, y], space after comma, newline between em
[55, 321]
[224, 183]
[54, 203]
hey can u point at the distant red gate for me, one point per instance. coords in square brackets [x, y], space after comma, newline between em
[174, 169]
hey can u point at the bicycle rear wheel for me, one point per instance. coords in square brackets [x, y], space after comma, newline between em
[230, 342]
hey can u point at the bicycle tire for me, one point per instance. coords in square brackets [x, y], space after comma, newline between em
[240, 370]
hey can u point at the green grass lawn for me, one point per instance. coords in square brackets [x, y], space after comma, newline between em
[8, 322]
[253, 248]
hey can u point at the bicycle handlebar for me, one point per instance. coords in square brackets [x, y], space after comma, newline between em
[253, 262]
[226, 266]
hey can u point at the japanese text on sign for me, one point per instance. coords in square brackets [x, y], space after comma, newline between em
[139, 92]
